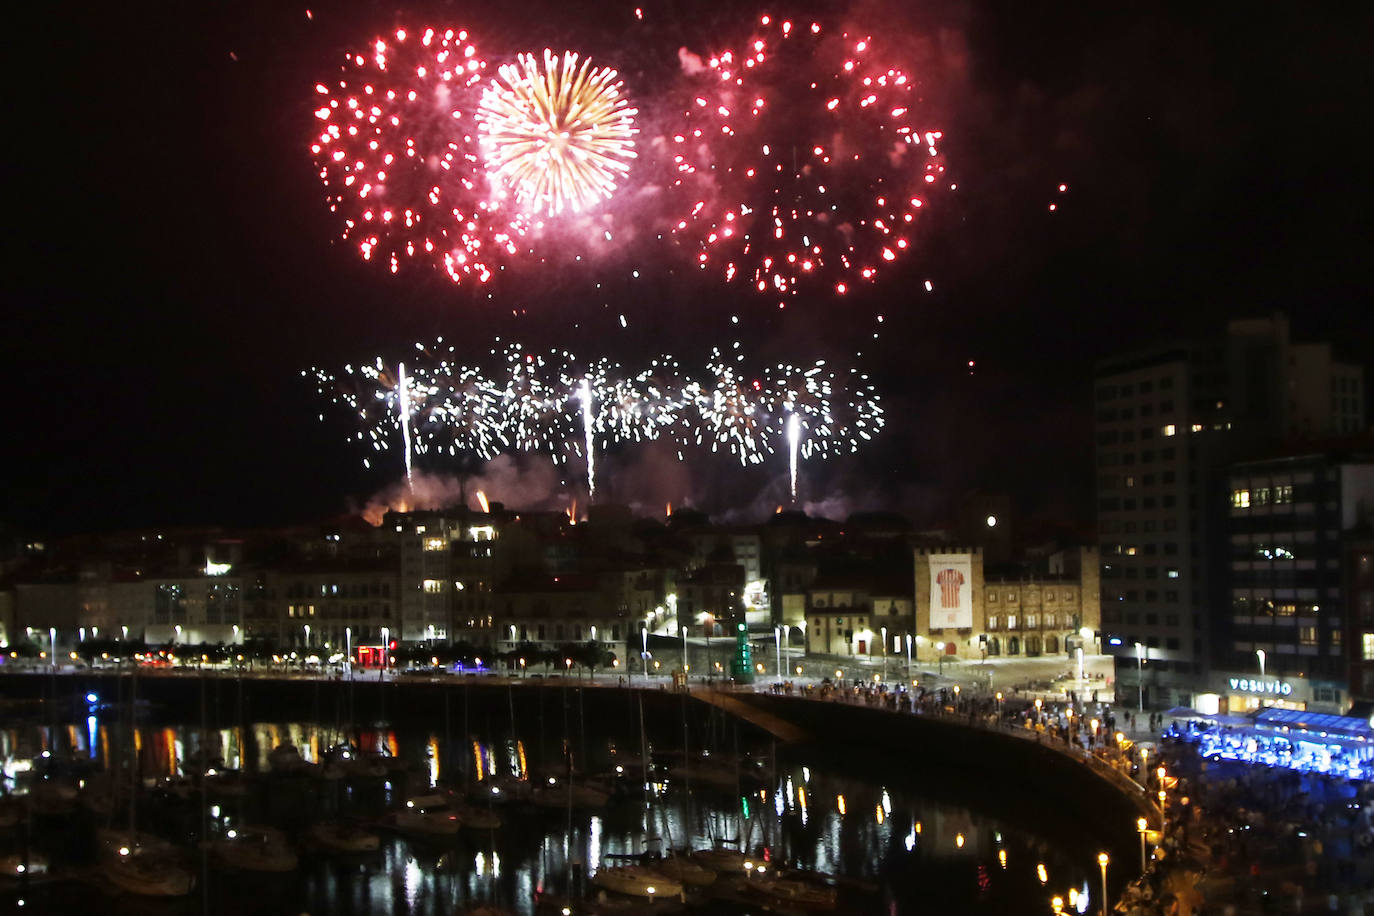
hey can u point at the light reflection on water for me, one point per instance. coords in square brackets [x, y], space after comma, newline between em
[819, 820]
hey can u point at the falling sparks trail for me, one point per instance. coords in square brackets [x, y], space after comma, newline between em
[793, 439]
[403, 401]
[584, 394]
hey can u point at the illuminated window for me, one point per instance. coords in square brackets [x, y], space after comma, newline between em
[1051, 620]
[1198, 427]
[992, 622]
[1240, 499]
[434, 544]
[1011, 621]
[433, 586]
[1367, 647]
[992, 596]
[1032, 620]
[1171, 573]
[1283, 494]
[1307, 636]
[1335, 638]
[1169, 429]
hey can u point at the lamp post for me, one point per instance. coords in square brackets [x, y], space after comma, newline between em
[1259, 653]
[52, 647]
[908, 657]
[1140, 676]
[386, 651]
[710, 661]
[683, 627]
[883, 630]
[644, 651]
[1141, 825]
[940, 652]
[1102, 863]
[348, 651]
[777, 647]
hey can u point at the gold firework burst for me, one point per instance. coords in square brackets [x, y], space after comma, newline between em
[560, 135]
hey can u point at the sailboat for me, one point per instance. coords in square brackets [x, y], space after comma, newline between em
[139, 863]
[257, 849]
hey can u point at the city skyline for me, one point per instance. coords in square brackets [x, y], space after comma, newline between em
[169, 290]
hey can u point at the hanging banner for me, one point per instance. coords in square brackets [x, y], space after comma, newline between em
[951, 591]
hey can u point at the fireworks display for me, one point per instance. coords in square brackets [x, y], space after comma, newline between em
[399, 154]
[559, 135]
[799, 159]
[558, 405]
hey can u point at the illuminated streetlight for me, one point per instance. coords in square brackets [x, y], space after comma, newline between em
[883, 630]
[1102, 863]
[777, 647]
[1140, 676]
[1141, 825]
[1259, 653]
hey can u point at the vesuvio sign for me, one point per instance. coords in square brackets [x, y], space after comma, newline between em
[1272, 688]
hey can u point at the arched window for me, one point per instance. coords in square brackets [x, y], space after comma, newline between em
[1014, 645]
[1032, 645]
[1051, 645]
[994, 646]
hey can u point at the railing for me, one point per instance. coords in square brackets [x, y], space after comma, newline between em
[1073, 751]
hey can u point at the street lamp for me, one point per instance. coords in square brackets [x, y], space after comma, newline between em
[644, 652]
[1102, 863]
[883, 630]
[52, 651]
[307, 636]
[1141, 825]
[777, 647]
[940, 651]
[1259, 653]
[908, 656]
[1140, 676]
[386, 650]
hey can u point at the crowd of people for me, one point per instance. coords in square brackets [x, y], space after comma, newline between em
[1241, 834]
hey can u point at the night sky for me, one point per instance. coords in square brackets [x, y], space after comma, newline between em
[173, 267]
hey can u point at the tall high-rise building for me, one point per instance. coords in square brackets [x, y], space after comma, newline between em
[1169, 420]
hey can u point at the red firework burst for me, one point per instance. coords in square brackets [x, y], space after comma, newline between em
[398, 152]
[799, 161]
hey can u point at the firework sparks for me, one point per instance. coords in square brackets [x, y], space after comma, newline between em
[560, 135]
[798, 160]
[584, 394]
[793, 438]
[398, 151]
[557, 405]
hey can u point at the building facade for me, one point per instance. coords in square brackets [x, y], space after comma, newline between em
[1168, 422]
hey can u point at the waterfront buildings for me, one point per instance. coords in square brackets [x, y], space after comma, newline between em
[1169, 421]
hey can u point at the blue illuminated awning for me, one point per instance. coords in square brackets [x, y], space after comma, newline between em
[1315, 723]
